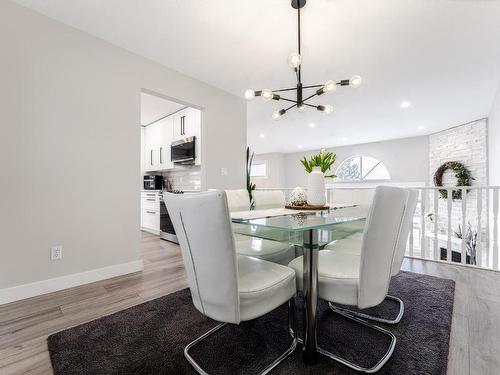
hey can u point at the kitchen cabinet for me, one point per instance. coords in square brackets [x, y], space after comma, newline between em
[159, 136]
[150, 211]
[187, 123]
[157, 140]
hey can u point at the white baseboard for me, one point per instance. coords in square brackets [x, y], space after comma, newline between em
[38, 288]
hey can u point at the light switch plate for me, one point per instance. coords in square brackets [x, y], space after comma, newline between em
[223, 171]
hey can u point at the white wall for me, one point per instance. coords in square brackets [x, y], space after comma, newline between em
[70, 145]
[494, 141]
[406, 159]
[275, 171]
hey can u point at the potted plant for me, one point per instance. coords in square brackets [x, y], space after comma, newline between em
[250, 184]
[316, 167]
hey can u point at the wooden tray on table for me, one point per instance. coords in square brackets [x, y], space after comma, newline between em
[307, 207]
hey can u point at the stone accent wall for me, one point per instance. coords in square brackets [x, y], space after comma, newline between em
[467, 144]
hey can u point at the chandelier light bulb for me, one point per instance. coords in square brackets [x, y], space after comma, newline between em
[278, 114]
[330, 87]
[267, 94]
[249, 94]
[301, 107]
[325, 108]
[355, 81]
[294, 60]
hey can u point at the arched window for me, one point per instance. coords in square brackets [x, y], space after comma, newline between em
[362, 168]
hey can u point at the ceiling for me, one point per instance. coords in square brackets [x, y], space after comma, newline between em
[153, 108]
[441, 56]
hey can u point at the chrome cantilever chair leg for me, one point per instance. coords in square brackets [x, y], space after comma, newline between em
[353, 365]
[277, 361]
[396, 320]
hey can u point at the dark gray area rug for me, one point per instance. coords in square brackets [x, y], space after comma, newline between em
[150, 338]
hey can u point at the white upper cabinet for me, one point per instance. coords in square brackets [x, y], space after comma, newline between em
[151, 149]
[187, 124]
[159, 136]
[165, 137]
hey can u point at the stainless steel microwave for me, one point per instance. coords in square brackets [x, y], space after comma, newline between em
[183, 151]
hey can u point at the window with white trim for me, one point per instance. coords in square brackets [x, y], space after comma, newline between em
[362, 168]
[258, 168]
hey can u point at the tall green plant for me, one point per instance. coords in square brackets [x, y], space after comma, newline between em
[324, 160]
[250, 185]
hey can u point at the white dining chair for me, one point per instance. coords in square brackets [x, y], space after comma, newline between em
[363, 280]
[280, 252]
[352, 245]
[265, 199]
[226, 287]
[238, 200]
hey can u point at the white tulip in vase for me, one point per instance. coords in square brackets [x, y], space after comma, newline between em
[317, 166]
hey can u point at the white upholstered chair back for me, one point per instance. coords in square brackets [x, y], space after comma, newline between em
[238, 200]
[406, 227]
[203, 227]
[380, 237]
[265, 199]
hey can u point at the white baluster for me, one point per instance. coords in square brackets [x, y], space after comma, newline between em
[479, 260]
[437, 250]
[464, 229]
[487, 235]
[448, 252]
[422, 224]
[495, 228]
[410, 240]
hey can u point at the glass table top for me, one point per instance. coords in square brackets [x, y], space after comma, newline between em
[303, 221]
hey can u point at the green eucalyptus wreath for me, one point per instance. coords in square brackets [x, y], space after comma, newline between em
[462, 174]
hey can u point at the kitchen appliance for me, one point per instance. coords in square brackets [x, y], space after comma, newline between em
[183, 151]
[153, 182]
[167, 231]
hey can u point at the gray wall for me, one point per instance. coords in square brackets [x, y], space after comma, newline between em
[275, 171]
[406, 159]
[70, 145]
[494, 141]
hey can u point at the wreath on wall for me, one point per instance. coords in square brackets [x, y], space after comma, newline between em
[462, 175]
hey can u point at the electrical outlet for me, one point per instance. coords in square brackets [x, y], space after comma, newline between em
[56, 252]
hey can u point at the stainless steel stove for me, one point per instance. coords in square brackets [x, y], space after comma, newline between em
[167, 231]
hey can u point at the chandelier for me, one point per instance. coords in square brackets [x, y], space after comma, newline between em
[295, 62]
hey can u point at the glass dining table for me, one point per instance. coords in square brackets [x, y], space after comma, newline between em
[311, 230]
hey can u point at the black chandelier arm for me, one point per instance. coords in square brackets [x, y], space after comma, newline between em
[292, 106]
[310, 96]
[310, 105]
[288, 100]
[312, 86]
[282, 90]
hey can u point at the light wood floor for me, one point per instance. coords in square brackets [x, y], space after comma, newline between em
[25, 325]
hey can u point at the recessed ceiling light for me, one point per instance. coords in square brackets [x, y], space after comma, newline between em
[312, 125]
[421, 127]
[300, 146]
[405, 104]
[345, 139]
[262, 135]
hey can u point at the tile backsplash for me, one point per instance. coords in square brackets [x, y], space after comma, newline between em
[184, 178]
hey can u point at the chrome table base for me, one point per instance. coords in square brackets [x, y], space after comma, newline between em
[310, 283]
[358, 314]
